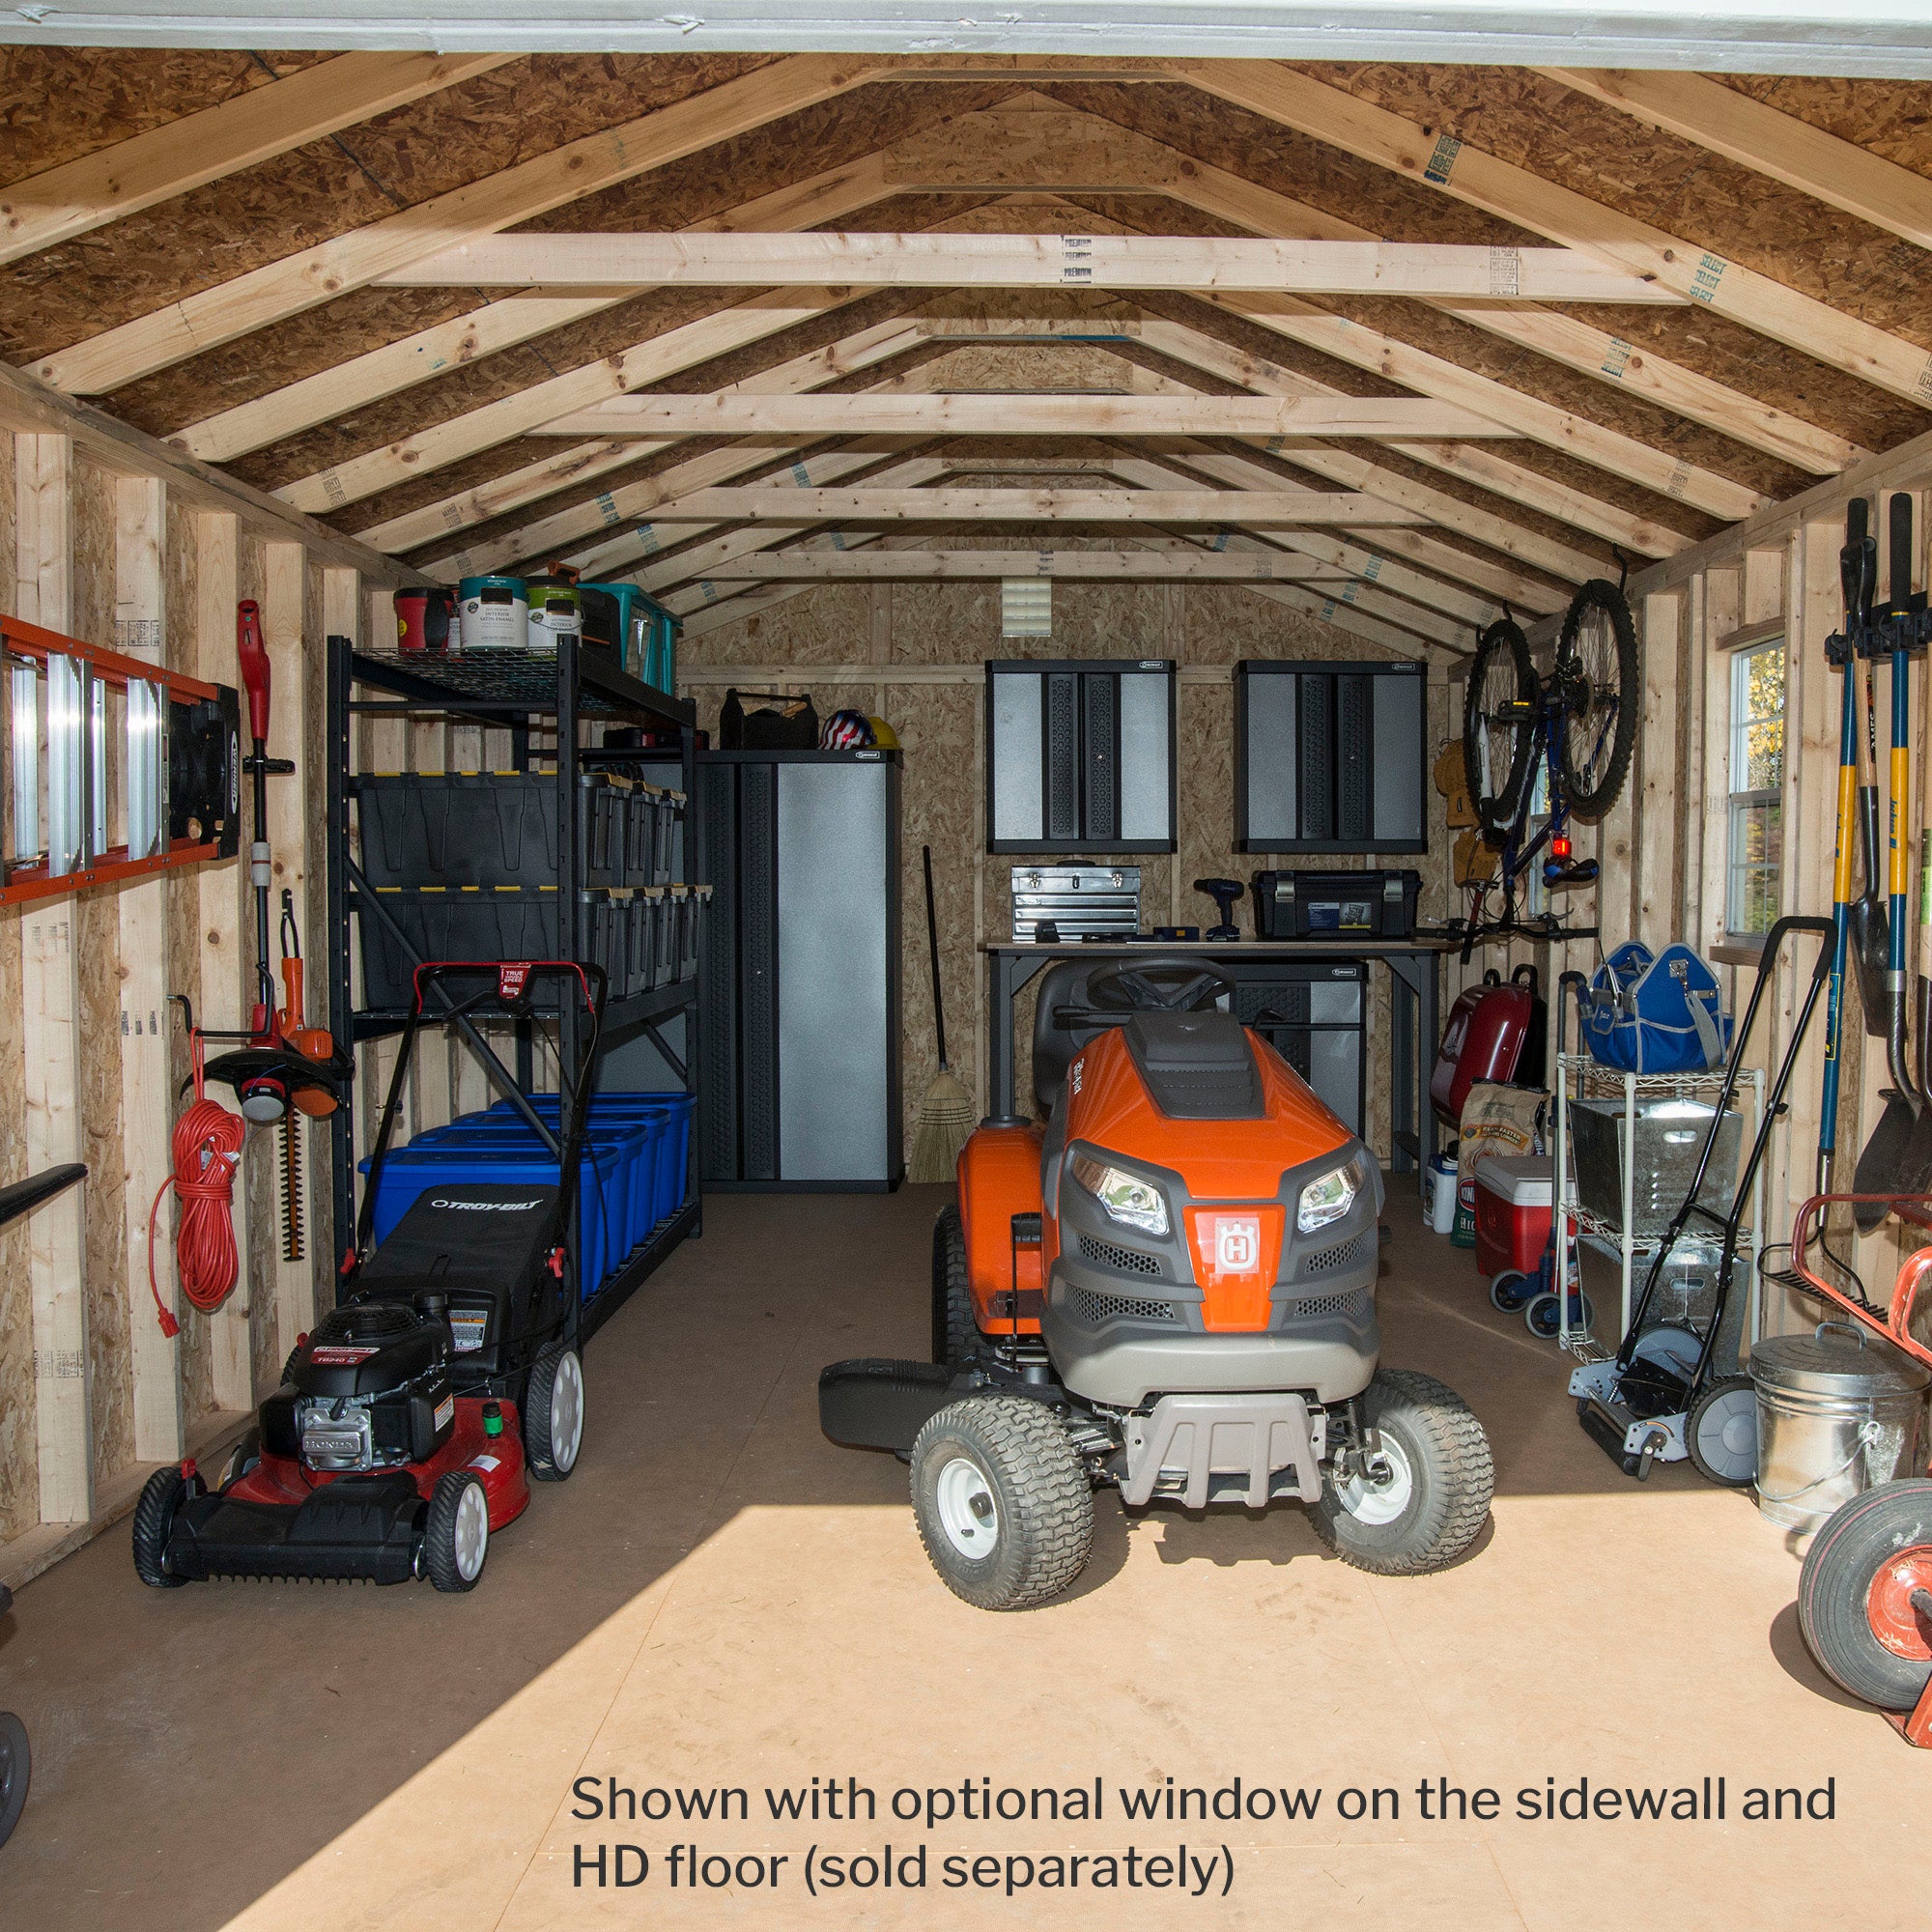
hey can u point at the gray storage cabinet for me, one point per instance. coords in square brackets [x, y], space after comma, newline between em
[798, 1014]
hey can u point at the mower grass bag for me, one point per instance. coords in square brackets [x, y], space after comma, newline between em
[408, 1425]
[1168, 1289]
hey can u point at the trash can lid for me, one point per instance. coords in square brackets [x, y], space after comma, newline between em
[1837, 1359]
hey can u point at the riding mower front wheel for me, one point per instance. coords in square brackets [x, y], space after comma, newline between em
[1003, 1501]
[15, 1773]
[1425, 1493]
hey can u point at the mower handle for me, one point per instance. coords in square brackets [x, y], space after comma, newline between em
[24, 1196]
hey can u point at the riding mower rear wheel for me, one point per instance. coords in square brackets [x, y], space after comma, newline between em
[1427, 1494]
[1003, 1501]
[955, 1329]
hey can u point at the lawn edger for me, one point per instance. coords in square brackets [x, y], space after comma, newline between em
[1169, 1289]
[408, 1425]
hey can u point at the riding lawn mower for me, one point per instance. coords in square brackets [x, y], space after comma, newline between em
[407, 1424]
[1169, 1289]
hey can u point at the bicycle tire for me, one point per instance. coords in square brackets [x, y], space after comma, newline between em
[1502, 656]
[1598, 642]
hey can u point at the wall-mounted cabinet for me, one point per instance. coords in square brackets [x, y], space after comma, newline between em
[1080, 755]
[1330, 757]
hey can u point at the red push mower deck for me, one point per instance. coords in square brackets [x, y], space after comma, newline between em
[1864, 1597]
[408, 1424]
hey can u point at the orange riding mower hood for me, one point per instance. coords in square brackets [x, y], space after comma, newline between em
[1224, 1171]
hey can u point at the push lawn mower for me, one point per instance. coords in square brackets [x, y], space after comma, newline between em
[1663, 1394]
[407, 1424]
[1169, 1289]
[16, 1761]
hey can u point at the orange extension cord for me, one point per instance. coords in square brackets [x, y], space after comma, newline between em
[208, 1150]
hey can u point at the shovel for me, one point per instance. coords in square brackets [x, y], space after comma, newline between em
[1870, 943]
[1849, 567]
[1882, 1166]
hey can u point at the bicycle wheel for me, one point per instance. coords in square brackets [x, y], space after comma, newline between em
[1500, 725]
[1597, 672]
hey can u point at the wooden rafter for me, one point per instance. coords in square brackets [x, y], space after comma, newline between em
[1289, 508]
[1757, 136]
[1544, 207]
[727, 412]
[247, 128]
[865, 259]
[279, 290]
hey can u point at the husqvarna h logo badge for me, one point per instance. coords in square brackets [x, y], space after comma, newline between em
[1238, 1244]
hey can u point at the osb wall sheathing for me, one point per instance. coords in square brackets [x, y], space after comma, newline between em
[940, 727]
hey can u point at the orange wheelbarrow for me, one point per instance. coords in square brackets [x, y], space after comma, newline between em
[1864, 1597]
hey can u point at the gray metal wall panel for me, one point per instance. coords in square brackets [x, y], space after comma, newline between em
[834, 973]
[1399, 779]
[1274, 757]
[1147, 781]
[1019, 810]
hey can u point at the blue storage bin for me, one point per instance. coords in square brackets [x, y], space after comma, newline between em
[668, 1115]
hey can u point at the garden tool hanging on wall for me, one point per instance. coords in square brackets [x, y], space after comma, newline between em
[1870, 943]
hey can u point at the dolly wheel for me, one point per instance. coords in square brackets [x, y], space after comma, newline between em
[457, 1541]
[1856, 1594]
[15, 1768]
[1510, 1289]
[154, 1523]
[554, 1414]
[1540, 1317]
[1003, 1501]
[1426, 1492]
[1720, 1433]
[955, 1328]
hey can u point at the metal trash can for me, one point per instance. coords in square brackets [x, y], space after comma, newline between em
[1838, 1412]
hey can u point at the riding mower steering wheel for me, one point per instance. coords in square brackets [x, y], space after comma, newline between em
[1166, 984]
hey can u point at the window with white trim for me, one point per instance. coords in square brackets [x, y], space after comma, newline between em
[1755, 847]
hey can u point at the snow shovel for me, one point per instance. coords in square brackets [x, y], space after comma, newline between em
[1880, 1166]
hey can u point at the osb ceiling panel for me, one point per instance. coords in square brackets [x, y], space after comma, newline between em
[1391, 206]
[704, 184]
[411, 155]
[59, 103]
[1540, 125]
[1892, 118]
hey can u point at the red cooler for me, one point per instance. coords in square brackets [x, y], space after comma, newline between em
[1514, 1203]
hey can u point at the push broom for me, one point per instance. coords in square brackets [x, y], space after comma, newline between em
[946, 1115]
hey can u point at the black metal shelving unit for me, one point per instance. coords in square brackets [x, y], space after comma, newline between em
[508, 691]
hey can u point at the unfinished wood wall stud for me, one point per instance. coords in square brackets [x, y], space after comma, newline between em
[227, 989]
[147, 1112]
[49, 982]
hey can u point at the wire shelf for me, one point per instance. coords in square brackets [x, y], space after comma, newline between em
[517, 681]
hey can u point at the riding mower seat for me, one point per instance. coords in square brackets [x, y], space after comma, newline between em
[1169, 1288]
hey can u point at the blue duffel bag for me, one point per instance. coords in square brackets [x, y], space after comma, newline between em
[1658, 1012]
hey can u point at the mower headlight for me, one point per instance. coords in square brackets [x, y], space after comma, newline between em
[1126, 1197]
[1326, 1198]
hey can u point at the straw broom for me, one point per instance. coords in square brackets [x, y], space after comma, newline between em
[946, 1115]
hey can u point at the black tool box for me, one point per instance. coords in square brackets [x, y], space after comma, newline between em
[1336, 905]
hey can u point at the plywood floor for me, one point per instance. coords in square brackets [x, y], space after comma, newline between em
[720, 1597]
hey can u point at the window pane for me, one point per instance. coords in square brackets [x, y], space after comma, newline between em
[1757, 715]
[1757, 857]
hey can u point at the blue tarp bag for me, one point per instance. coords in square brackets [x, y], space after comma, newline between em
[1659, 1012]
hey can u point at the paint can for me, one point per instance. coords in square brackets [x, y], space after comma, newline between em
[493, 615]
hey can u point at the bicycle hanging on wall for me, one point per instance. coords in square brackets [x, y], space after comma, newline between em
[1574, 730]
